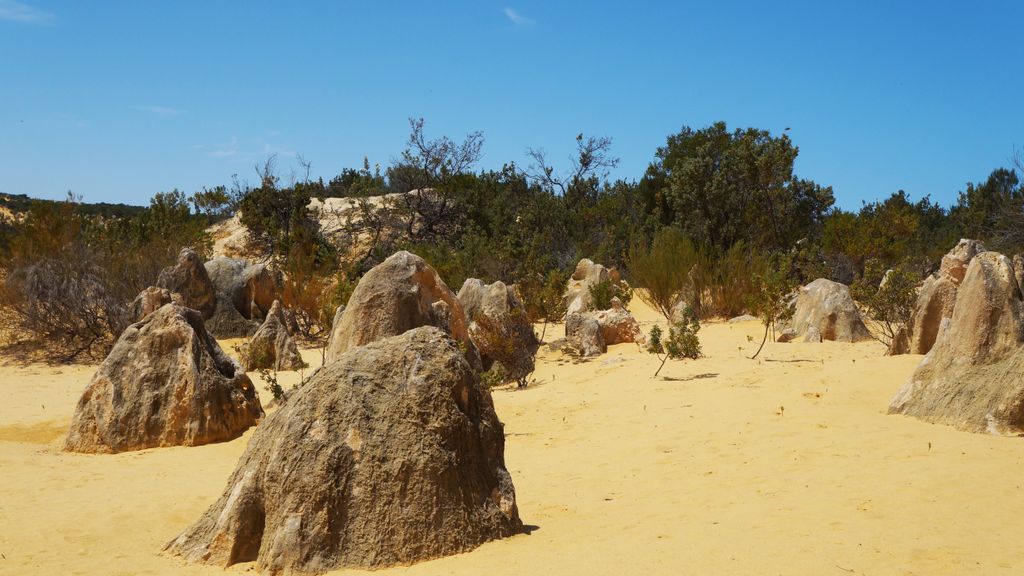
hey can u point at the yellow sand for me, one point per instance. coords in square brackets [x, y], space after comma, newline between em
[783, 465]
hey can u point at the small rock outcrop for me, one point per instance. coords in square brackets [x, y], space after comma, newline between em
[743, 318]
[828, 307]
[583, 333]
[617, 324]
[679, 311]
[786, 335]
[248, 287]
[148, 301]
[397, 295]
[271, 346]
[189, 284]
[499, 327]
[955, 262]
[577, 292]
[971, 378]
[245, 293]
[936, 299]
[166, 382]
[391, 455]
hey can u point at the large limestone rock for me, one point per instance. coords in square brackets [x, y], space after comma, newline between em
[577, 292]
[397, 295]
[166, 382]
[189, 284]
[245, 293]
[271, 346]
[494, 310]
[583, 332]
[971, 378]
[391, 455]
[936, 300]
[247, 286]
[828, 307]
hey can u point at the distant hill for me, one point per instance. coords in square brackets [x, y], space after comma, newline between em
[14, 205]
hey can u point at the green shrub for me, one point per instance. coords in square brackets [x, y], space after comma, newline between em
[542, 297]
[602, 293]
[771, 284]
[682, 341]
[887, 297]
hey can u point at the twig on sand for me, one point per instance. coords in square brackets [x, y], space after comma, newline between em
[850, 570]
[793, 360]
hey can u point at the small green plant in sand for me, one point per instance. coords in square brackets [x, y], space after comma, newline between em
[769, 299]
[273, 386]
[682, 341]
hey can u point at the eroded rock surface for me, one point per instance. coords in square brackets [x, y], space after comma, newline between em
[166, 382]
[828, 307]
[189, 284]
[499, 327]
[271, 346]
[971, 378]
[391, 455]
[397, 295]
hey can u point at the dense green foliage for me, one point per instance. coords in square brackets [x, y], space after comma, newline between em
[682, 341]
[719, 221]
[772, 283]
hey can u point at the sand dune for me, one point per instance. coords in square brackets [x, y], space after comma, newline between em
[783, 465]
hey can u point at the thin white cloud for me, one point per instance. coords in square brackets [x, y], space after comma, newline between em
[517, 18]
[249, 149]
[226, 150]
[160, 110]
[13, 11]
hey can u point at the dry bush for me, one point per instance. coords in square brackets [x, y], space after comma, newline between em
[508, 342]
[67, 279]
[725, 282]
[64, 306]
[664, 270]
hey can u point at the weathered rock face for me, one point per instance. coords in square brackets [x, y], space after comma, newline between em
[1018, 270]
[391, 455]
[148, 301]
[505, 316]
[678, 312]
[244, 284]
[189, 284]
[165, 383]
[245, 293]
[577, 292]
[397, 295]
[828, 307]
[583, 332]
[617, 324]
[954, 263]
[936, 299]
[971, 378]
[271, 346]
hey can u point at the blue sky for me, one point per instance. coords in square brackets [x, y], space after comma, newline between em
[120, 100]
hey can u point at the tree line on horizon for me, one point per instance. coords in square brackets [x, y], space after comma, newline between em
[728, 199]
